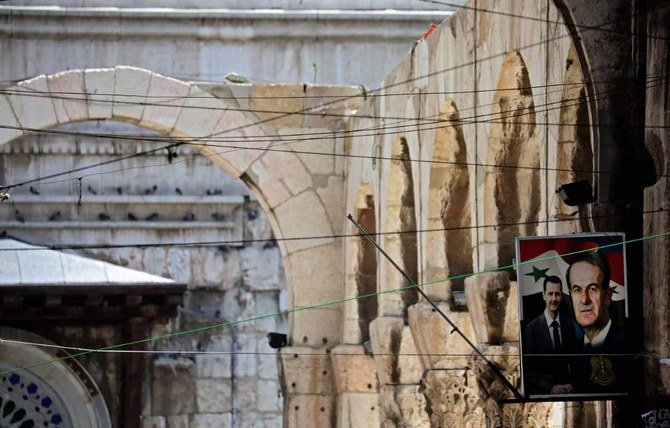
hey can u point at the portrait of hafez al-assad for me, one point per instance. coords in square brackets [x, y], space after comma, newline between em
[588, 280]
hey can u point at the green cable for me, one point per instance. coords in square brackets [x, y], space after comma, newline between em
[321, 305]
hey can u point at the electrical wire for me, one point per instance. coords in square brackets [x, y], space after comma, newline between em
[387, 86]
[314, 237]
[46, 94]
[328, 353]
[189, 141]
[328, 303]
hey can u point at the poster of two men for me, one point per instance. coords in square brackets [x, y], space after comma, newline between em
[573, 315]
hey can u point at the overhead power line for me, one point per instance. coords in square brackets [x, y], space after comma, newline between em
[324, 304]
[440, 123]
[307, 354]
[314, 237]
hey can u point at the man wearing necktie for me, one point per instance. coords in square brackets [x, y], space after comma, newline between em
[546, 337]
[589, 282]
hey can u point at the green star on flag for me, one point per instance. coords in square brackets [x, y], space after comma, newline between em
[538, 274]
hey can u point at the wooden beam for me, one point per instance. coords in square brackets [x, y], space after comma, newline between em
[133, 374]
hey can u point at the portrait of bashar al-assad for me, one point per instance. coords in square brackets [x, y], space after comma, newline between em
[546, 337]
[573, 312]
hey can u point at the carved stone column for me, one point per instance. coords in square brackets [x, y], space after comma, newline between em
[356, 382]
[399, 371]
[306, 376]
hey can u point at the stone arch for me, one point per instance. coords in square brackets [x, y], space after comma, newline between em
[400, 232]
[512, 181]
[574, 152]
[189, 112]
[449, 252]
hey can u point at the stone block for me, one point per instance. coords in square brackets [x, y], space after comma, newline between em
[354, 370]
[307, 411]
[154, 260]
[215, 420]
[212, 268]
[173, 388]
[239, 142]
[304, 215]
[179, 421]
[337, 101]
[272, 420]
[493, 305]
[213, 395]
[130, 90]
[289, 169]
[394, 352]
[268, 366]
[440, 348]
[332, 198]
[454, 395]
[317, 327]
[153, 422]
[261, 268]
[212, 366]
[199, 115]
[316, 163]
[269, 396]
[274, 191]
[179, 265]
[7, 118]
[100, 86]
[402, 405]
[165, 98]
[358, 409]
[306, 371]
[320, 265]
[281, 106]
[247, 360]
[247, 395]
[32, 104]
[69, 92]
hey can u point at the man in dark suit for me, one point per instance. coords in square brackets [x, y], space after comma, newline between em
[588, 280]
[549, 334]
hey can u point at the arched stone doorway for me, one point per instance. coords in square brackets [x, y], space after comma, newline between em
[300, 198]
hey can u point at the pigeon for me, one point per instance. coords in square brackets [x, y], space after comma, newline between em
[152, 217]
[217, 314]
[19, 217]
[103, 217]
[151, 191]
[219, 216]
[189, 217]
[119, 190]
[92, 190]
[34, 191]
[131, 217]
[178, 190]
[55, 216]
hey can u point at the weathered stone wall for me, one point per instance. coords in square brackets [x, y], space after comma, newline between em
[484, 98]
[226, 282]
[348, 43]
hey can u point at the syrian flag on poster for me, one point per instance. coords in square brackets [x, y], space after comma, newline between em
[542, 257]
